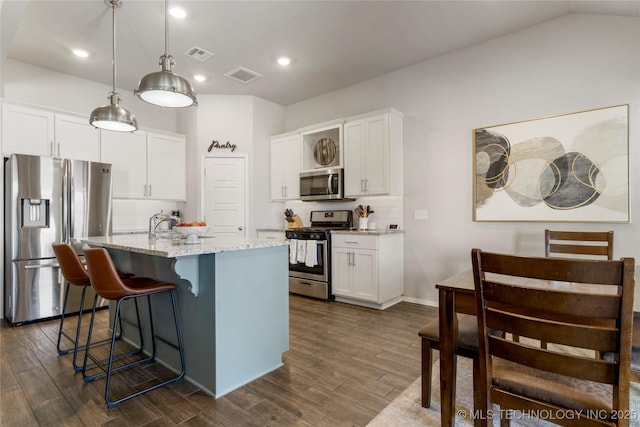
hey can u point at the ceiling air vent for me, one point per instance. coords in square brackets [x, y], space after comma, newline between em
[243, 75]
[198, 53]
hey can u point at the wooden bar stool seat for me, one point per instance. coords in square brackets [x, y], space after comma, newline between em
[107, 284]
[74, 273]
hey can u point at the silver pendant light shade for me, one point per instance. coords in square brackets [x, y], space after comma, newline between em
[113, 116]
[165, 88]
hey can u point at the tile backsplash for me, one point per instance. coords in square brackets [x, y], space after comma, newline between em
[387, 210]
[133, 215]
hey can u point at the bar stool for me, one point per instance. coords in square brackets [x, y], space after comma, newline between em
[75, 274]
[108, 285]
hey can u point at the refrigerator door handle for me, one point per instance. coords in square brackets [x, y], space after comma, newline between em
[33, 267]
[65, 202]
[70, 217]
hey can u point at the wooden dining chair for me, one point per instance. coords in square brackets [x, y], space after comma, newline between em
[587, 244]
[466, 346]
[578, 244]
[588, 308]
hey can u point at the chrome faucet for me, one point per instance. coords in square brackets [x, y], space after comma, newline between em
[159, 218]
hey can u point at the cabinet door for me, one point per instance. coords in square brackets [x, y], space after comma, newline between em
[291, 168]
[376, 156]
[76, 138]
[166, 167]
[366, 275]
[285, 168]
[27, 130]
[354, 140]
[342, 271]
[127, 153]
[278, 152]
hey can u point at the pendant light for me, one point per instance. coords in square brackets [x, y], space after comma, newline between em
[164, 88]
[113, 116]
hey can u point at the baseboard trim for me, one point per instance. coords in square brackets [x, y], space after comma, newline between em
[420, 301]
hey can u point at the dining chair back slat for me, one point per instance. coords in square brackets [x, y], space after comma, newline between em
[589, 243]
[563, 303]
[579, 308]
[589, 369]
[600, 338]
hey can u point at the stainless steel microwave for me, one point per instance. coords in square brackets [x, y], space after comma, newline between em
[325, 184]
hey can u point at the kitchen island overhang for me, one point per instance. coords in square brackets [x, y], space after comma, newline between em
[233, 303]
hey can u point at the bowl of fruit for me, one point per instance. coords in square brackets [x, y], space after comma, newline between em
[192, 230]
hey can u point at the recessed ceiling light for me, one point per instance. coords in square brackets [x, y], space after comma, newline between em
[199, 77]
[81, 53]
[178, 12]
[284, 60]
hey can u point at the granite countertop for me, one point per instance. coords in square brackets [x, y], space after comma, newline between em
[272, 229]
[368, 232]
[169, 248]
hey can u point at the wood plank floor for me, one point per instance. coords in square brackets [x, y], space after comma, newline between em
[344, 365]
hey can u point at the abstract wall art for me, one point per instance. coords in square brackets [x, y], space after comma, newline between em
[571, 167]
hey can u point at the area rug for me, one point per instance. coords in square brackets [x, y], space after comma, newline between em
[405, 410]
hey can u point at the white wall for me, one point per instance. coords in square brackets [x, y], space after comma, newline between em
[268, 120]
[40, 86]
[574, 63]
[247, 122]
[244, 120]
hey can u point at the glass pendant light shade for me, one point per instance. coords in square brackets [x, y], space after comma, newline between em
[165, 88]
[113, 116]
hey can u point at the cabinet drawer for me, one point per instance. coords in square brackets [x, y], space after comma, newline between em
[354, 241]
[276, 235]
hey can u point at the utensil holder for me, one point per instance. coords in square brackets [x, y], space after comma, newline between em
[363, 223]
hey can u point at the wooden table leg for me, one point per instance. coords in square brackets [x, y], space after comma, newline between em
[448, 362]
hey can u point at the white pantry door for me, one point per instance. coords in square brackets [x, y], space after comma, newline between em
[224, 195]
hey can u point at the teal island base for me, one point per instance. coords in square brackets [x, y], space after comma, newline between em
[233, 312]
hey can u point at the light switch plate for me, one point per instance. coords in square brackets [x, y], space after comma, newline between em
[421, 214]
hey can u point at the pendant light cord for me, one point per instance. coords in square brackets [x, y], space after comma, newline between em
[113, 26]
[166, 26]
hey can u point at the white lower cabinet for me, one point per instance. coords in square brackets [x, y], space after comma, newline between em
[367, 269]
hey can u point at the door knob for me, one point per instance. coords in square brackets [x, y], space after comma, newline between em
[240, 228]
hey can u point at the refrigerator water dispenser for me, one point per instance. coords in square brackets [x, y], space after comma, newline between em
[35, 213]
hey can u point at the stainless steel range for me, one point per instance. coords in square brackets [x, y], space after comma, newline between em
[310, 253]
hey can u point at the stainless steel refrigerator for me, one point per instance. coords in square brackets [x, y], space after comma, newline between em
[48, 200]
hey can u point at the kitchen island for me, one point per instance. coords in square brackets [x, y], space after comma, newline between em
[232, 300]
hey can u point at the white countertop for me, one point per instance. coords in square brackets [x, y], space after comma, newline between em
[171, 249]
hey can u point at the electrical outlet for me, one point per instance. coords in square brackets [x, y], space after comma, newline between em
[421, 214]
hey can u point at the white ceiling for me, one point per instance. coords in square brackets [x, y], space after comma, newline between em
[333, 43]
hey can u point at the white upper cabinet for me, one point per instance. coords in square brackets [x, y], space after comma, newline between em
[27, 130]
[166, 167]
[76, 139]
[146, 165]
[285, 166]
[127, 153]
[373, 154]
[42, 132]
